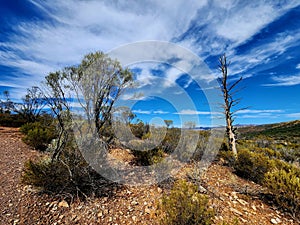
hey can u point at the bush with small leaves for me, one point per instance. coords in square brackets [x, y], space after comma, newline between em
[69, 175]
[285, 185]
[38, 135]
[45, 174]
[252, 166]
[11, 120]
[170, 142]
[185, 206]
[148, 157]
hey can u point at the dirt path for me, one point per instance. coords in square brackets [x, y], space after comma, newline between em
[13, 154]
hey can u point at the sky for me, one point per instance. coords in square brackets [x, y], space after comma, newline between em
[261, 40]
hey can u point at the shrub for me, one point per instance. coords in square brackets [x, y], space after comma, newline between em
[228, 157]
[148, 157]
[139, 129]
[184, 205]
[252, 166]
[38, 135]
[45, 174]
[11, 120]
[69, 175]
[170, 142]
[285, 185]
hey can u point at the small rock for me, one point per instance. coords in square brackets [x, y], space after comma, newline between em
[234, 195]
[134, 218]
[134, 203]
[236, 211]
[243, 220]
[274, 221]
[73, 217]
[100, 214]
[159, 190]
[241, 201]
[253, 207]
[147, 210]
[110, 219]
[63, 204]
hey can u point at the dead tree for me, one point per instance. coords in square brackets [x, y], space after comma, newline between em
[228, 90]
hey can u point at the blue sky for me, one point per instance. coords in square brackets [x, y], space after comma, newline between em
[260, 38]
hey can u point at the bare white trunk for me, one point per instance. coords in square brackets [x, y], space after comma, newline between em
[232, 140]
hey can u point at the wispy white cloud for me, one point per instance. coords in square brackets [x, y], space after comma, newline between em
[285, 80]
[262, 54]
[79, 27]
[226, 24]
[254, 111]
[195, 112]
[160, 112]
[298, 66]
[293, 115]
[148, 112]
[140, 111]
[259, 113]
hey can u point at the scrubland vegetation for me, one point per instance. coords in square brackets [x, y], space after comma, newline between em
[267, 155]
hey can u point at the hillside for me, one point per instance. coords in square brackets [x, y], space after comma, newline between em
[285, 130]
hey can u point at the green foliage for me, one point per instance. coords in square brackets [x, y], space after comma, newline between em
[279, 131]
[45, 174]
[170, 142]
[285, 185]
[235, 221]
[69, 175]
[252, 166]
[38, 135]
[11, 120]
[227, 156]
[148, 157]
[139, 129]
[184, 206]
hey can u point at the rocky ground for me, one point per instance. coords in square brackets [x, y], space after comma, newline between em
[232, 197]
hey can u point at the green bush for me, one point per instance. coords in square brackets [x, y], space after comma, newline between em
[11, 120]
[45, 174]
[139, 129]
[170, 142]
[38, 135]
[228, 157]
[68, 175]
[184, 205]
[252, 166]
[285, 185]
[148, 157]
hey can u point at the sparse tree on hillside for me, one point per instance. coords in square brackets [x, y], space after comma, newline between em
[97, 83]
[228, 90]
[32, 105]
[100, 80]
[126, 114]
[168, 123]
[56, 94]
[6, 105]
